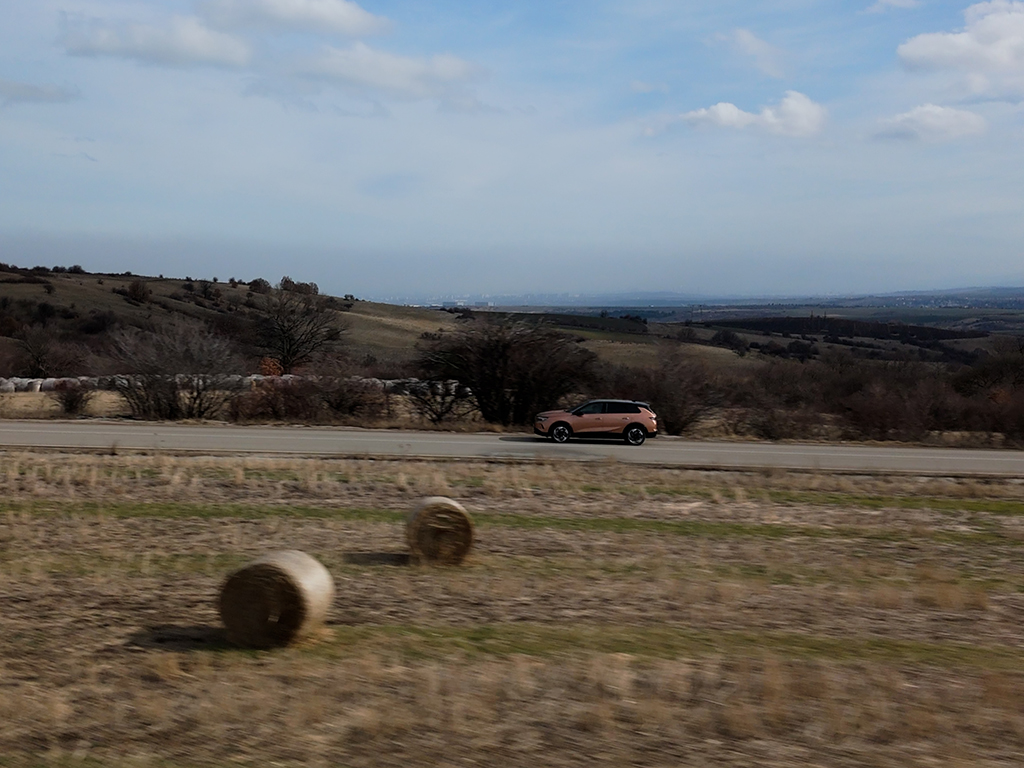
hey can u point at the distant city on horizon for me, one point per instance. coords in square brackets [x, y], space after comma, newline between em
[993, 297]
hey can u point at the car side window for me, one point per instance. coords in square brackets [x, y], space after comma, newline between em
[623, 408]
[590, 408]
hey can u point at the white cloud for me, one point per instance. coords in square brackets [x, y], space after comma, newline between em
[364, 68]
[25, 93]
[934, 123]
[795, 115]
[885, 5]
[184, 41]
[339, 16]
[988, 53]
[767, 57]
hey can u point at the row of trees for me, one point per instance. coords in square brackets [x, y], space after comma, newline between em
[516, 370]
[506, 371]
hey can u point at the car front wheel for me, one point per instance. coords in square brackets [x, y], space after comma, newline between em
[561, 433]
[635, 434]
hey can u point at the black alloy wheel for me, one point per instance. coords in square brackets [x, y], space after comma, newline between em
[561, 433]
[635, 434]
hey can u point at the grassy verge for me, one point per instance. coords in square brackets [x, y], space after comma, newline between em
[689, 528]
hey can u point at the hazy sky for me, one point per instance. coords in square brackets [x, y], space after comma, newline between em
[398, 148]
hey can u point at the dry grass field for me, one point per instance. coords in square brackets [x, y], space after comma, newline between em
[607, 616]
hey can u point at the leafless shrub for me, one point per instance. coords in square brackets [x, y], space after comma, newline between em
[181, 371]
[272, 401]
[343, 396]
[441, 401]
[72, 397]
[308, 400]
[776, 423]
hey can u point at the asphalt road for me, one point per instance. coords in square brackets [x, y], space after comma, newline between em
[318, 441]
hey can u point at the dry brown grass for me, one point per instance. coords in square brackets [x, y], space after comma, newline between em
[756, 495]
[592, 624]
[39, 405]
[373, 710]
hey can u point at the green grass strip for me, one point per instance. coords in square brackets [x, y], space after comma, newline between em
[1009, 507]
[691, 528]
[660, 642]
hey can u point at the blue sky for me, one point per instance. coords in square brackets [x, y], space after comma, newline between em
[400, 148]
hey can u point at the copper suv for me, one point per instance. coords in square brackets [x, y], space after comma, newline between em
[629, 420]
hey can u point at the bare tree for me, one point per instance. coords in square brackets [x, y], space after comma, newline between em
[45, 355]
[180, 371]
[512, 369]
[298, 328]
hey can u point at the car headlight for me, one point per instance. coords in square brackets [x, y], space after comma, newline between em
[542, 418]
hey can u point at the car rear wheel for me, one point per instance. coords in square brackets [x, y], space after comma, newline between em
[635, 434]
[561, 433]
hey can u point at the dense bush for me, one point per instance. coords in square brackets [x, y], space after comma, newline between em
[681, 389]
[514, 370]
[891, 400]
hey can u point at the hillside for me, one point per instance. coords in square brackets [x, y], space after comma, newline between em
[82, 307]
[378, 339]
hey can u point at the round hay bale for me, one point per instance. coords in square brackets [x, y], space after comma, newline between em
[439, 530]
[276, 599]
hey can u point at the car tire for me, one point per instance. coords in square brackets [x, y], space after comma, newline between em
[560, 432]
[634, 434]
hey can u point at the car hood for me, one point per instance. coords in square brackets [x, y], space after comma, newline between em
[549, 414]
